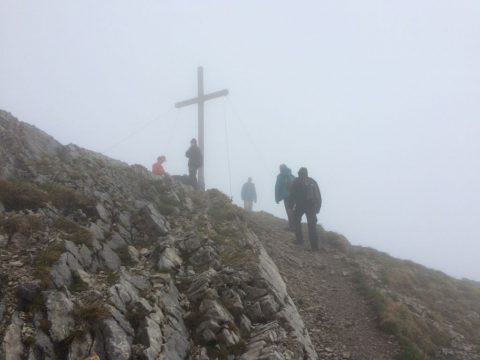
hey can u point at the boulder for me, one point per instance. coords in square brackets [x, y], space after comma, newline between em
[110, 258]
[60, 273]
[43, 348]
[59, 309]
[117, 343]
[97, 231]
[103, 213]
[116, 241]
[80, 348]
[169, 260]
[12, 342]
[212, 310]
[151, 336]
[133, 254]
[154, 221]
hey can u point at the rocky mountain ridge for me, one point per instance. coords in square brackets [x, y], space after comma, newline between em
[101, 260]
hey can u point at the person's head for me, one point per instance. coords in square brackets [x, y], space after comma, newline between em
[303, 173]
[193, 141]
[161, 159]
[249, 179]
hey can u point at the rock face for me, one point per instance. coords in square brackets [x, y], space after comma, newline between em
[118, 264]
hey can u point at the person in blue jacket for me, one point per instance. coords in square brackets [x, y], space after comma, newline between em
[282, 192]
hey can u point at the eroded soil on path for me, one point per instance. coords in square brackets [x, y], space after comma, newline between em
[341, 321]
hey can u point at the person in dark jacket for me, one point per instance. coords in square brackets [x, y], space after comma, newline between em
[282, 192]
[249, 194]
[195, 162]
[306, 199]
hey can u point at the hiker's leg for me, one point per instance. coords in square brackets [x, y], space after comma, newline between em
[192, 174]
[312, 229]
[290, 216]
[298, 225]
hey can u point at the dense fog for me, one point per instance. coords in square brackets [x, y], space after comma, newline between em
[379, 100]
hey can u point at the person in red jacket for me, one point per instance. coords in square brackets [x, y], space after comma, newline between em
[157, 168]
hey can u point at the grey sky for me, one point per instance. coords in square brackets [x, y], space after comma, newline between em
[378, 99]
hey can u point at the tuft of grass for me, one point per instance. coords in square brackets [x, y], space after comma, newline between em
[87, 315]
[111, 278]
[334, 240]
[74, 232]
[69, 200]
[44, 260]
[18, 195]
[393, 319]
[77, 285]
[24, 224]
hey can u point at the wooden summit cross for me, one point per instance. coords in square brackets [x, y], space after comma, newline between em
[200, 100]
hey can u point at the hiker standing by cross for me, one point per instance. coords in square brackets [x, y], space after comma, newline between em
[200, 100]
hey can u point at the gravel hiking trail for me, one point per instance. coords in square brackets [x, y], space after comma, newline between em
[341, 321]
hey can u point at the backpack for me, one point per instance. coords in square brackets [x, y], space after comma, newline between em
[288, 182]
[313, 193]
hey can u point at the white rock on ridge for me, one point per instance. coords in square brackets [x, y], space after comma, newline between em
[12, 342]
[151, 336]
[59, 309]
[117, 342]
[168, 260]
[110, 258]
[155, 221]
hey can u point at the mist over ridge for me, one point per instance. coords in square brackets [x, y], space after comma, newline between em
[378, 101]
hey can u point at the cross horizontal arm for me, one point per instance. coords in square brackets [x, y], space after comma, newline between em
[215, 94]
[186, 102]
[197, 99]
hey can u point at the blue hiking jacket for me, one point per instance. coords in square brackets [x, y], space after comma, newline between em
[283, 184]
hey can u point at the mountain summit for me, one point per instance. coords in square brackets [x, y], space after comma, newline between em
[102, 260]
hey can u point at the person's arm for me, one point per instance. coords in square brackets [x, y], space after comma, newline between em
[254, 194]
[318, 197]
[293, 194]
[277, 190]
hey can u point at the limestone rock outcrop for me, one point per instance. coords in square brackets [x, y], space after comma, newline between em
[101, 260]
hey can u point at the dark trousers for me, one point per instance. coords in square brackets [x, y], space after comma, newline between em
[312, 226]
[192, 175]
[289, 210]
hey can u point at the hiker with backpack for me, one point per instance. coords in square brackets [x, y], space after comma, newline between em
[306, 199]
[195, 162]
[282, 192]
[249, 194]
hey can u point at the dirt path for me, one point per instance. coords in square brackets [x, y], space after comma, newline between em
[341, 323]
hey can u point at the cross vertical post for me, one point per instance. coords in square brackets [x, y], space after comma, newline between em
[200, 101]
[201, 127]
